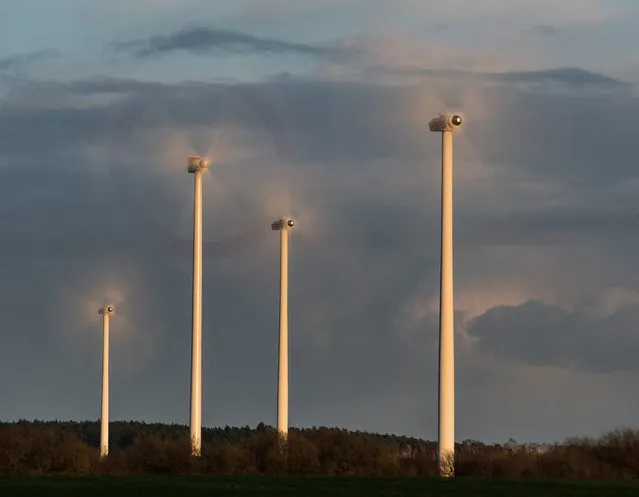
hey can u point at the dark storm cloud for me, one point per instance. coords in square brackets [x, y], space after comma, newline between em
[383, 130]
[345, 146]
[546, 335]
[361, 160]
[16, 61]
[207, 40]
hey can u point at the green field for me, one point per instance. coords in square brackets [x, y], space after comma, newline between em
[265, 486]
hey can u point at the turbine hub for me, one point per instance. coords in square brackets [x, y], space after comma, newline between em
[195, 163]
[106, 310]
[445, 122]
[282, 224]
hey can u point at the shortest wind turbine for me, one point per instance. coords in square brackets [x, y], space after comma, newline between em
[283, 226]
[445, 124]
[105, 312]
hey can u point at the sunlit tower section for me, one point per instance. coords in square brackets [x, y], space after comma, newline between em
[105, 312]
[283, 226]
[445, 124]
[196, 165]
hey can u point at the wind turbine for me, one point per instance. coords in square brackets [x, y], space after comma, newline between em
[196, 166]
[283, 226]
[105, 312]
[445, 124]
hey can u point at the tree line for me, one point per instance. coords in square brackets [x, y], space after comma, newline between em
[29, 448]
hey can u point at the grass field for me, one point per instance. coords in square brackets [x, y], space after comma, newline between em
[264, 486]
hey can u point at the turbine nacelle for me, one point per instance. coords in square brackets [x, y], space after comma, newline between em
[283, 224]
[445, 122]
[195, 163]
[106, 310]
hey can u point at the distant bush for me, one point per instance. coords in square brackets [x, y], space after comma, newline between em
[68, 448]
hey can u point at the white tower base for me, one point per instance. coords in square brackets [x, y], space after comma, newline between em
[446, 455]
[196, 341]
[104, 418]
[282, 385]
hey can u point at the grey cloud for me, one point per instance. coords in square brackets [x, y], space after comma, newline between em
[206, 40]
[561, 123]
[571, 77]
[543, 334]
[325, 153]
[17, 61]
[543, 30]
[568, 75]
[553, 226]
[98, 85]
[346, 145]
[82, 198]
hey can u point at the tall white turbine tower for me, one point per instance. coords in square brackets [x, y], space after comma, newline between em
[445, 124]
[283, 226]
[105, 312]
[196, 166]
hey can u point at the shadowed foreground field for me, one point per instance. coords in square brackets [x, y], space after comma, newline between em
[264, 486]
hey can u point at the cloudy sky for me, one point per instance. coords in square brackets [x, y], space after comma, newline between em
[319, 110]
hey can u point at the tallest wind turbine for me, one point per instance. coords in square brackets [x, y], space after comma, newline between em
[445, 124]
[197, 166]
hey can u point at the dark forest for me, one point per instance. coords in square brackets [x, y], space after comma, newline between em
[30, 448]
